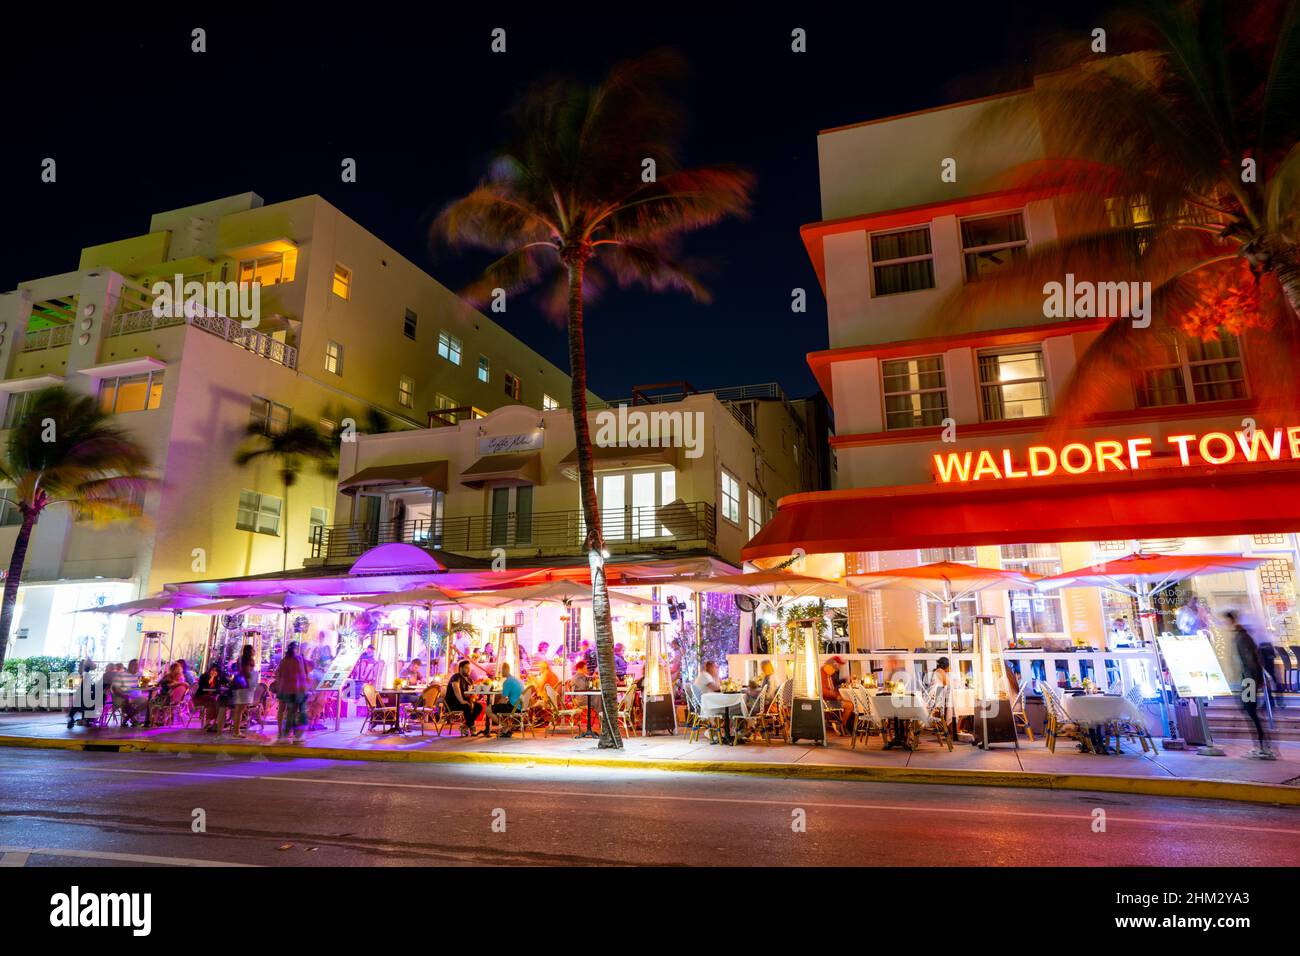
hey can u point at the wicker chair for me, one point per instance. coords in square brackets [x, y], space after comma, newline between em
[519, 719]
[626, 719]
[937, 705]
[426, 711]
[752, 722]
[696, 720]
[377, 714]
[867, 718]
[1059, 723]
[165, 712]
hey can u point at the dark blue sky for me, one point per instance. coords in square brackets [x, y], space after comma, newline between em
[139, 124]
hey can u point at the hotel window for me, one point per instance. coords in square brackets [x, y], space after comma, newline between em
[406, 391]
[1012, 385]
[730, 497]
[268, 416]
[754, 511]
[513, 387]
[265, 270]
[449, 347]
[512, 505]
[484, 368]
[1034, 612]
[409, 323]
[935, 612]
[320, 517]
[916, 392]
[10, 514]
[549, 404]
[1192, 370]
[951, 555]
[631, 505]
[902, 261]
[258, 512]
[334, 357]
[16, 408]
[990, 243]
[342, 286]
[131, 393]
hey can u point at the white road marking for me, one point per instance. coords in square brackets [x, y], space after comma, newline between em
[623, 795]
[23, 853]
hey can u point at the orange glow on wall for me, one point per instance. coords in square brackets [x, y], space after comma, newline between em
[1108, 455]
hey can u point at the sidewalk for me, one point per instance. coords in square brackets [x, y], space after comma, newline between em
[1165, 773]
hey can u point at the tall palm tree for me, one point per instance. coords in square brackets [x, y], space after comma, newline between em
[66, 450]
[1178, 163]
[566, 203]
[289, 449]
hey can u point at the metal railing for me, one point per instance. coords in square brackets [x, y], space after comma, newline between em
[214, 323]
[686, 524]
[52, 338]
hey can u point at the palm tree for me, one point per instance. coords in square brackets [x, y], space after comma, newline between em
[1179, 165]
[566, 202]
[66, 450]
[289, 448]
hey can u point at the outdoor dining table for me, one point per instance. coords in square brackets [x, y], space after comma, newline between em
[1094, 711]
[714, 704]
[587, 694]
[486, 691]
[397, 693]
[900, 708]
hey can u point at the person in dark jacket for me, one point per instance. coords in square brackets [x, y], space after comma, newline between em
[1252, 681]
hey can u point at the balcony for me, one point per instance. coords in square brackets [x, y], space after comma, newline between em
[678, 526]
[214, 323]
[38, 340]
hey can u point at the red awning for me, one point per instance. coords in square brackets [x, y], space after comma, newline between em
[1190, 503]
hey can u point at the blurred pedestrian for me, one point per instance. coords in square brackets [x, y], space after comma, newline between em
[292, 681]
[1252, 681]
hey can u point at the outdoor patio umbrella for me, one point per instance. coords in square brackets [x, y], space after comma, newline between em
[773, 588]
[1141, 576]
[557, 592]
[427, 597]
[947, 582]
[168, 602]
[282, 601]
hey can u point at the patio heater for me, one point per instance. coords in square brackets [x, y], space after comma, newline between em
[993, 721]
[658, 712]
[807, 713]
[507, 649]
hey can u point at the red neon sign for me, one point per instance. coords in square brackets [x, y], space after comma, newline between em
[1103, 456]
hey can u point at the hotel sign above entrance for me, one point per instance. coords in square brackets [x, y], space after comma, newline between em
[1112, 455]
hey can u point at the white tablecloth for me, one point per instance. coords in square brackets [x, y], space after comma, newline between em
[1093, 710]
[904, 706]
[715, 705]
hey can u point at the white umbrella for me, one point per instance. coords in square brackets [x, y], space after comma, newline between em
[169, 602]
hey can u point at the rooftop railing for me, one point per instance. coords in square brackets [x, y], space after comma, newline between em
[214, 323]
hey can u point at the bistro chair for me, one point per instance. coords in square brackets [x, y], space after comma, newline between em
[257, 710]
[867, 718]
[163, 713]
[112, 709]
[696, 720]
[938, 708]
[1059, 723]
[562, 709]
[377, 714]
[425, 710]
[751, 719]
[785, 705]
[626, 721]
[520, 718]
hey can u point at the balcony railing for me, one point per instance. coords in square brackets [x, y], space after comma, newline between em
[214, 323]
[38, 340]
[675, 526]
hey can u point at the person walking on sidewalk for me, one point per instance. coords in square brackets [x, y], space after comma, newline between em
[1252, 681]
[292, 682]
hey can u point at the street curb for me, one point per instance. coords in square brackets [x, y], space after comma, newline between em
[1190, 787]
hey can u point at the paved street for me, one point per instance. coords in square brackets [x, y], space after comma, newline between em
[84, 809]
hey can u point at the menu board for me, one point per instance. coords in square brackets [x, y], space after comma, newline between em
[339, 670]
[1193, 665]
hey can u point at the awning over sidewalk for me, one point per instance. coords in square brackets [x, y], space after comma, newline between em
[524, 468]
[429, 474]
[1192, 503]
[609, 457]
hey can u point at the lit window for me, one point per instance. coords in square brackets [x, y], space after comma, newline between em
[1012, 385]
[755, 512]
[990, 243]
[258, 512]
[441, 401]
[406, 391]
[513, 387]
[902, 261]
[730, 497]
[334, 357]
[1193, 370]
[1034, 612]
[549, 404]
[449, 347]
[268, 416]
[916, 393]
[266, 270]
[320, 517]
[16, 408]
[131, 393]
[409, 323]
[484, 368]
[342, 282]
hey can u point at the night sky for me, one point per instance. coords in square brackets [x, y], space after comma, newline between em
[138, 124]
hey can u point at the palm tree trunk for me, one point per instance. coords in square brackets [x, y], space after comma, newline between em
[284, 560]
[16, 562]
[595, 543]
[1287, 270]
